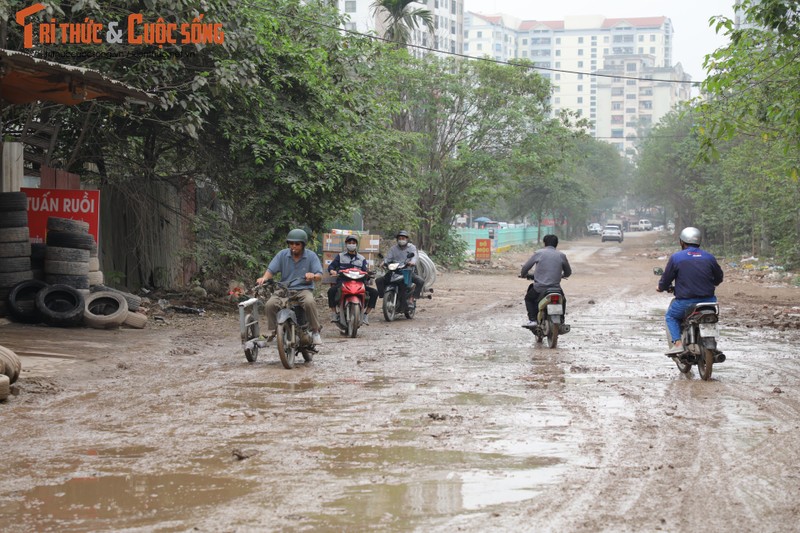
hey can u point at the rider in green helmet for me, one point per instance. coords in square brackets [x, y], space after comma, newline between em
[299, 269]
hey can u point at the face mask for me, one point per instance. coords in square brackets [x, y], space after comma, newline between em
[402, 242]
[352, 247]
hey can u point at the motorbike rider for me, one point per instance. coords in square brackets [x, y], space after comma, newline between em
[399, 254]
[299, 269]
[551, 265]
[350, 258]
[696, 274]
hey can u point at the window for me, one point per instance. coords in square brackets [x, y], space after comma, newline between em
[580, 40]
[466, 47]
[350, 6]
[558, 40]
[453, 27]
[580, 51]
[558, 52]
[630, 82]
[641, 38]
[580, 99]
[479, 46]
[558, 99]
[580, 64]
[630, 67]
[615, 91]
[630, 110]
[557, 89]
[453, 7]
[558, 76]
[652, 38]
[580, 88]
[630, 96]
[524, 53]
[616, 105]
[580, 76]
[524, 42]
[466, 34]
[617, 119]
[498, 47]
[641, 50]
[558, 64]
[351, 26]
[653, 50]
[617, 134]
[646, 104]
[479, 35]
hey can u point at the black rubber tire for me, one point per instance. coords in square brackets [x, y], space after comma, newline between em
[705, 364]
[13, 219]
[285, 350]
[552, 336]
[134, 302]
[9, 279]
[76, 282]
[14, 234]
[57, 253]
[104, 310]
[135, 320]
[389, 310]
[67, 224]
[70, 239]
[15, 249]
[13, 201]
[22, 301]
[353, 314]
[250, 354]
[60, 305]
[15, 264]
[69, 268]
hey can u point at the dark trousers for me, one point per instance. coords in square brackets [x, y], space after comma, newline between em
[532, 298]
[334, 295]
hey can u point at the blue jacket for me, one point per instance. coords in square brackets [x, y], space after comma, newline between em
[695, 272]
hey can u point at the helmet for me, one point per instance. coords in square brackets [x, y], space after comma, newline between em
[351, 238]
[297, 235]
[690, 235]
[402, 233]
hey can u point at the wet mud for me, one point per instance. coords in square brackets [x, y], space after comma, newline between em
[456, 420]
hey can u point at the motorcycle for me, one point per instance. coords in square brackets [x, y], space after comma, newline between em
[292, 333]
[550, 320]
[353, 300]
[392, 306]
[699, 333]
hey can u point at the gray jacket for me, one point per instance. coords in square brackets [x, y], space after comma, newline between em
[399, 255]
[550, 265]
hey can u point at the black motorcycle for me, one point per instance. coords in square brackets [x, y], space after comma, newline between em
[550, 321]
[699, 334]
[399, 274]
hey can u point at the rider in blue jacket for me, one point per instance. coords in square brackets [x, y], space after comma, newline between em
[696, 274]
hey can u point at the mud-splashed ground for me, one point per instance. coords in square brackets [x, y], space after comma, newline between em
[455, 420]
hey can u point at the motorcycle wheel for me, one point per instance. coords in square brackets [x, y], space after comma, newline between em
[353, 319]
[552, 335]
[683, 367]
[705, 364]
[285, 349]
[250, 332]
[389, 309]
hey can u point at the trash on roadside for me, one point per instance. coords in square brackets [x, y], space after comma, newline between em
[187, 310]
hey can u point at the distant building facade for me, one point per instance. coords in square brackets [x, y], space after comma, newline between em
[448, 20]
[568, 53]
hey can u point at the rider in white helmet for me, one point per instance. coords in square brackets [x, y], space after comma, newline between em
[696, 274]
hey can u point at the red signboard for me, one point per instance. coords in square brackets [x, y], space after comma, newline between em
[483, 249]
[76, 204]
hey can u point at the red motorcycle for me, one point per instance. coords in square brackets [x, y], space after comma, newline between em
[353, 300]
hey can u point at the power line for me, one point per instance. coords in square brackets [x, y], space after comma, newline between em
[464, 56]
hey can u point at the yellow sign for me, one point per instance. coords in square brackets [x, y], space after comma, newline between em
[483, 249]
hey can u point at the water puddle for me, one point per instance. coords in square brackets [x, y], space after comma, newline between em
[118, 502]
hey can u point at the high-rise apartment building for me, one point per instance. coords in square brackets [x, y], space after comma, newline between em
[571, 52]
[448, 21]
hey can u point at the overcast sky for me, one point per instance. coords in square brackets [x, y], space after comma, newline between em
[693, 37]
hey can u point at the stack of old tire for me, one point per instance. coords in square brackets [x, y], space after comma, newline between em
[15, 247]
[10, 367]
[134, 318]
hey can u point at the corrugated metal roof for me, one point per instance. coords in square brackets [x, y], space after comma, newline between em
[25, 79]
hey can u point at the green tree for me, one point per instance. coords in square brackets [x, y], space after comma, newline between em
[400, 18]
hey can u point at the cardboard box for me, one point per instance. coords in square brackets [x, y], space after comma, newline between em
[334, 242]
[328, 257]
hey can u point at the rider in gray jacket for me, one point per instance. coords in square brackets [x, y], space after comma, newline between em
[550, 267]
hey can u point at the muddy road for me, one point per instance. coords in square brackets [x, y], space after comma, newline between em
[456, 420]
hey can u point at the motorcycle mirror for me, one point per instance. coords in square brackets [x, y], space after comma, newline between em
[380, 255]
[658, 271]
[410, 254]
